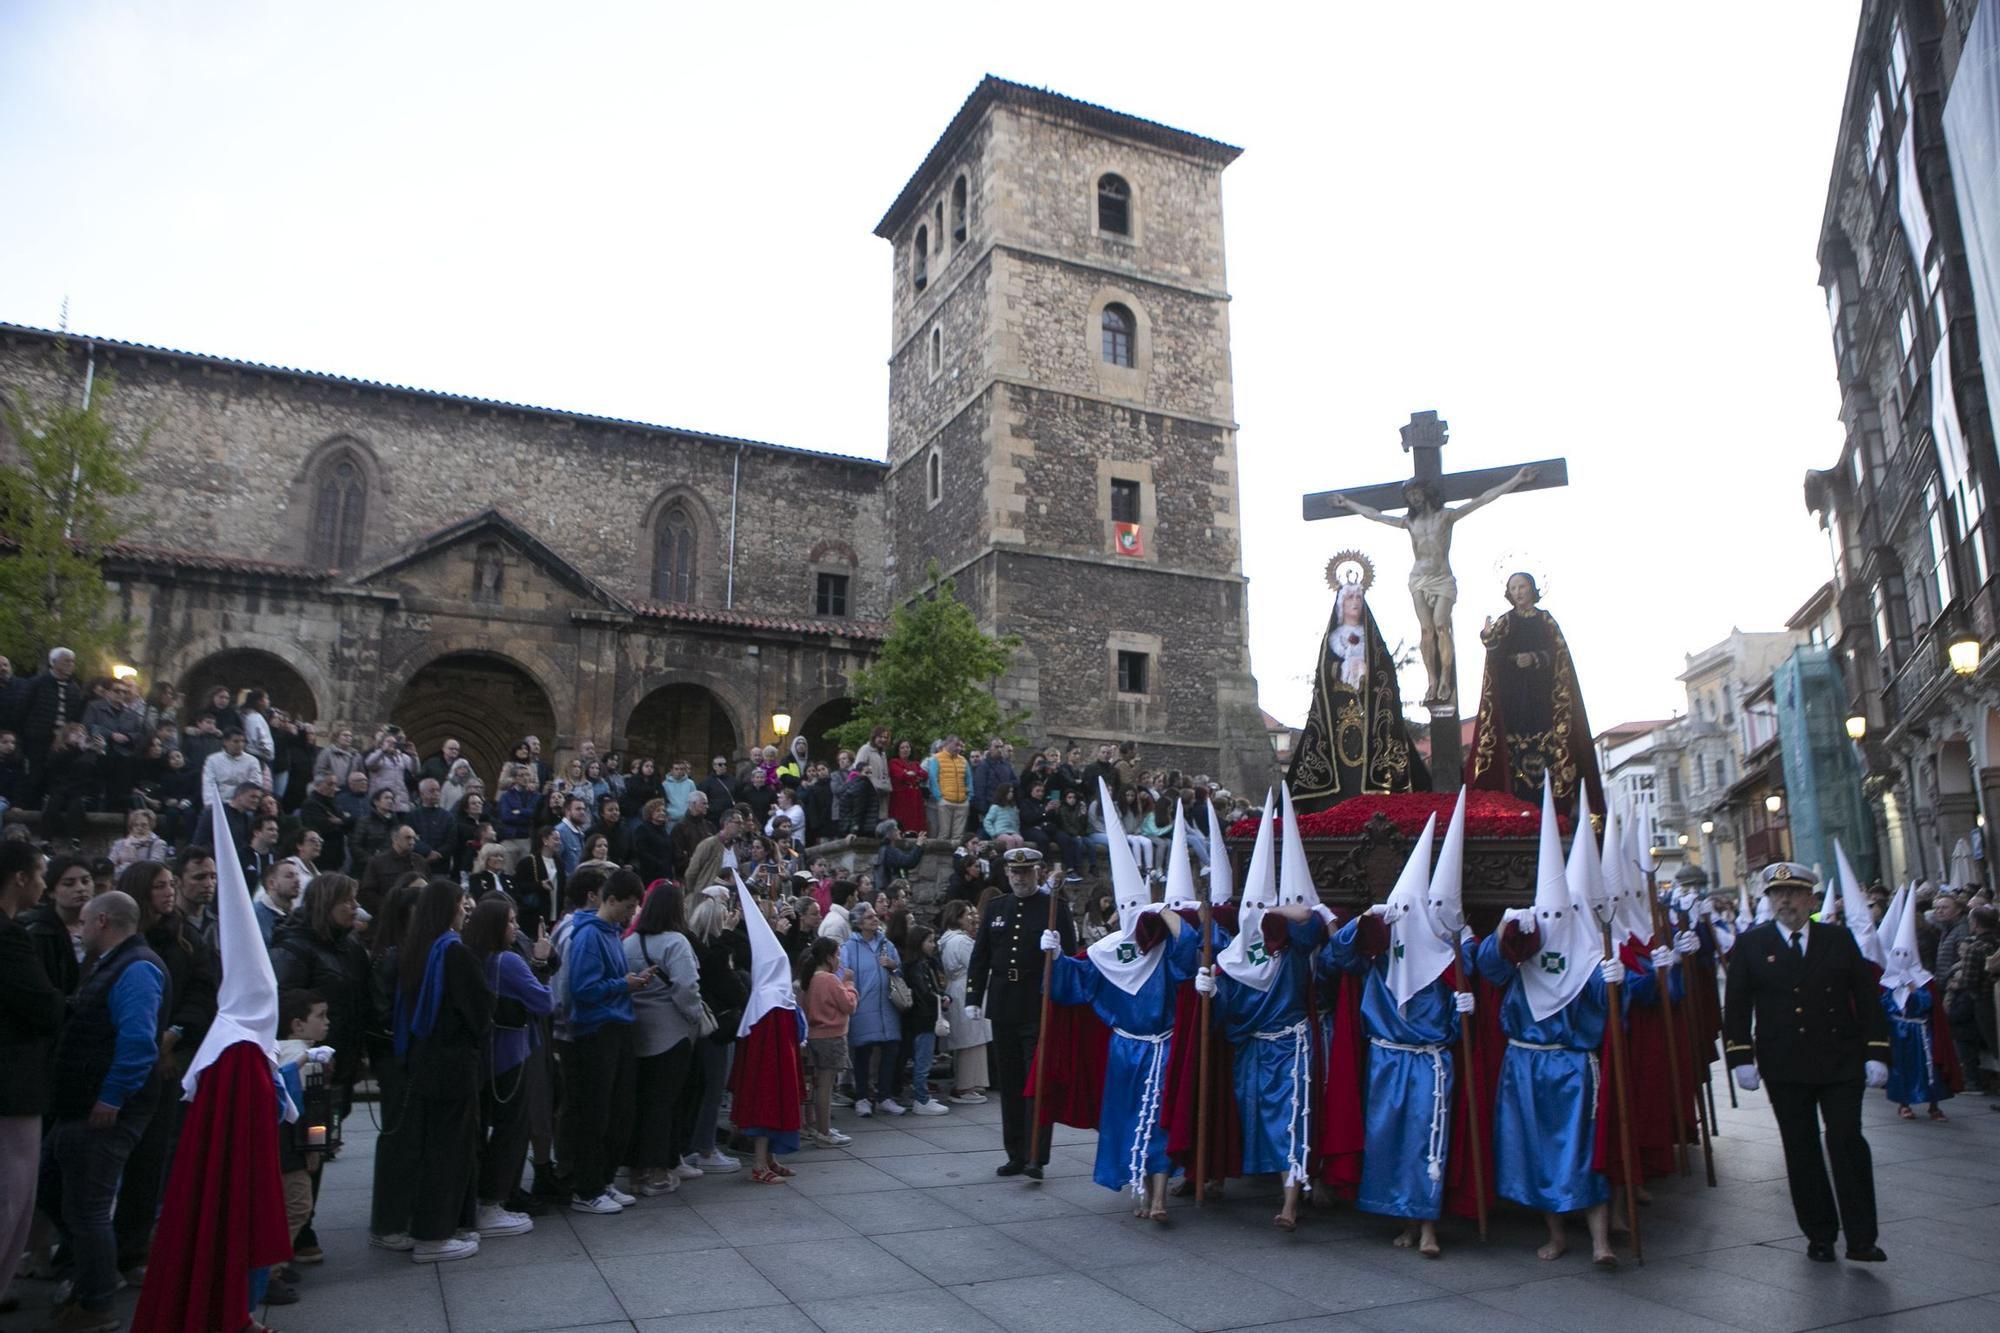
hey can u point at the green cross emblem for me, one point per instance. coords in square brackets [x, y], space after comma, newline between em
[1255, 953]
[1127, 951]
[1399, 951]
[1554, 964]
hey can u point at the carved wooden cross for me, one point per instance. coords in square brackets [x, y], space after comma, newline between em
[1425, 437]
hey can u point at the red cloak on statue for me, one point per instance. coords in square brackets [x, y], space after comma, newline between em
[1531, 715]
[224, 1212]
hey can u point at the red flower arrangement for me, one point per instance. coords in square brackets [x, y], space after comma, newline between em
[1488, 814]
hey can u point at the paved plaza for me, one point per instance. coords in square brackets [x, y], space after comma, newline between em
[908, 1231]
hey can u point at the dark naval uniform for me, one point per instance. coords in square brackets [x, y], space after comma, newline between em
[1004, 979]
[1817, 1018]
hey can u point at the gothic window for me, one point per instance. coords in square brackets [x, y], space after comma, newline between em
[958, 211]
[920, 259]
[674, 556]
[1119, 327]
[488, 568]
[340, 507]
[1114, 205]
[934, 477]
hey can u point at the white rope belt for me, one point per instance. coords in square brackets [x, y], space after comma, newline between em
[1300, 1035]
[1440, 1091]
[1930, 1066]
[1595, 1072]
[1149, 1104]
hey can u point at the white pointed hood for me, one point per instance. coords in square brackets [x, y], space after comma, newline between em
[1221, 875]
[1180, 870]
[1854, 909]
[1245, 959]
[770, 969]
[1118, 955]
[1625, 883]
[1295, 882]
[1419, 949]
[1570, 943]
[246, 1005]
[1890, 916]
[1447, 893]
[1585, 867]
[1905, 969]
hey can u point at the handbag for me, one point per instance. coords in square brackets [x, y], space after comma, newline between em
[708, 1025]
[899, 993]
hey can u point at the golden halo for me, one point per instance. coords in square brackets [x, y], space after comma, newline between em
[1350, 566]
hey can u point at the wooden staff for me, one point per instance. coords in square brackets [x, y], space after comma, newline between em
[1660, 928]
[1201, 1070]
[1704, 1114]
[1042, 1043]
[1467, 1072]
[1615, 1017]
[1707, 1084]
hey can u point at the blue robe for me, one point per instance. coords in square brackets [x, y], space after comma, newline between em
[1275, 1085]
[1913, 1071]
[1407, 1104]
[1131, 1141]
[1545, 1113]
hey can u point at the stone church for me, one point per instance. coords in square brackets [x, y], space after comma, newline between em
[1061, 440]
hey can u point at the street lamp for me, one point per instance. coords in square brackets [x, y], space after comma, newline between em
[1774, 803]
[1964, 650]
[781, 724]
[1857, 726]
[1707, 827]
[1685, 840]
[124, 672]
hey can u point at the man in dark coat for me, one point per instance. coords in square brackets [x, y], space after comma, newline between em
[30, 1010]
[50, 701]
[1805, 989]
[1003, 981]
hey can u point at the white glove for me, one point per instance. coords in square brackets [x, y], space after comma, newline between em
[1465, 935]
[1612, 971]
[1051, 942]
[1878, 1074]
[1687, 942]
[971, 1013]
[1663, 958]
[1390, 913]
[1324, 913]
[1746, 1077]
[1204, 981]
[1462, 999]
[1524, 917]
[320, 1055]
[1685, 901]
[942, 1028]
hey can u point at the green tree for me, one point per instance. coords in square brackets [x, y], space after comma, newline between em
[933, 675]
[63, 463]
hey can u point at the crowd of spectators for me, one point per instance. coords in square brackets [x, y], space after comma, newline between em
[536, 983]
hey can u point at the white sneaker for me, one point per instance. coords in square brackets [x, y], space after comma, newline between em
[443, 1251]
[687, 1170]
[842, 1099]
[620, 1197]
[395, 1240]
[657, 1183]
[968, 1099]
[602, 1204]
[836, 1139]
[931, 1107]
[890, 1106]
[716, 1162]
[466, 1233]
[497, 1221]
[864, 1108]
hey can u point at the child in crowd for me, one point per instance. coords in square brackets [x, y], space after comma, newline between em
[302, 1026]
[829, 995]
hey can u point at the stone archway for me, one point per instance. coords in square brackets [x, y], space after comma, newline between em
[484, 700]
[681, 721]
[241, 668]
[823, 719]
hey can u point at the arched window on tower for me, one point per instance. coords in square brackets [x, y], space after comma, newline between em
[1119, 329]
[340, 508]
[1114, 205]
[958, 211]
[920, 259]
[934, 477]
[674, 555]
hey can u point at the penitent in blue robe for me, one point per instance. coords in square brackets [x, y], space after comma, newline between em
[1913, 1071]
[1544, 1115]
[1275, 1085]
[1407, 1111]
[1131, 1141]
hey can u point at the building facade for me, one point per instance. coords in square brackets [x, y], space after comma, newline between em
[1909, 251]
[1061, 441]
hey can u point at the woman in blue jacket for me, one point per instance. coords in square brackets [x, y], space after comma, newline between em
[875, 1030]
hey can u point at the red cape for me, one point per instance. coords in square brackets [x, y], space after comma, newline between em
[765, 1078]
[1343, 1131]
[1218, 1112]
[224, 1212]
[1650, 1089]
[1489, 1044]
[1944, 1050]
[1076, 1048]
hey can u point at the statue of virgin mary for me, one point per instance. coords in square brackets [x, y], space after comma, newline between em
[1355, 740]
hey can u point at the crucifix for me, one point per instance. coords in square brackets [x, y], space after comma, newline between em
[1428, 519]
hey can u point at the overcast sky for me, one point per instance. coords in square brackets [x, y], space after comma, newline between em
[1573, 229]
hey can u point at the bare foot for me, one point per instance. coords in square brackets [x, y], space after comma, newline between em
[1405, 1238]
[1428, 1245]
[1285, 1222]
[1604, 1258]
[1644, 1195]
[1555, 1249]
[1159, 1214]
